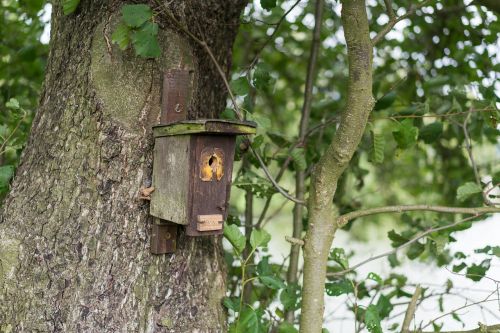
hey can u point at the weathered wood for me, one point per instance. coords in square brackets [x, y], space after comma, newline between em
[171, 166]
[163, 237]
[174, 95]
[209, 197]
[210, 222]
[206, 126]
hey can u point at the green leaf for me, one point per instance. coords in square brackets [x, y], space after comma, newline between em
[374, 277]
[290, 297]
[259, 238]
[145, 41]
[135, 15]
[261, 77]
[257, 141]
[440, 240]
[458, 268]
[121, 36]
[384, 307]
[456, 317]
[6, 173]
[393, 260]
[466, 190]
[430, 133]
[477, 272]
[378, 145]
[263, 267]
[69, 6]
[338, 288]
[338, 255]
[436, 81]
[232, 303]
[268, 4]
[287, 328]
[415, 250]
[396, 238]
[491, 250]
[248, 322]
[240, 86]
[278, 139]
[456, 106]
[405, 134]
[13, 104]
[235, 237]
[272, 282]
[385, 101]
[299, 159]
[372, 319]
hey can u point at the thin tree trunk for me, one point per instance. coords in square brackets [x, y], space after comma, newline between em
[74, 238]
[322, 213]
[300, 188]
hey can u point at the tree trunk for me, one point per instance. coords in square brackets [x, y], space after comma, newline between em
[74, 238]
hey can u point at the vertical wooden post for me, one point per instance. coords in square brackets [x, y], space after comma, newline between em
[174, 100]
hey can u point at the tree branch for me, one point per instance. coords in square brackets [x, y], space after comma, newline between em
[256, 57]
[486, 299]
[344, 219]
[481, 329]
[336, 158]
[410, 311]
[395, 20]
[300, 176]
[389, 9]
[402, 246]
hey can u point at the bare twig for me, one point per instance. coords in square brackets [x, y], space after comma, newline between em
[410, 311]
[395, 20]
[275, 31]
[466, 305]
[444, 115]
[300, 176]
[344, 219]
[294, 241]
[468, 145]
[481, 329]
[402, 246]
[389, 9]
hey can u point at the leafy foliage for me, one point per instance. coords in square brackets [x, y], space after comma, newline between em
[69, 6]
[466, 190]
[137, 28]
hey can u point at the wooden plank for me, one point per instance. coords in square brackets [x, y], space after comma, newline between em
[209, 197]
[174, 95]
[205, 126]
[163, 237]
[171, 164]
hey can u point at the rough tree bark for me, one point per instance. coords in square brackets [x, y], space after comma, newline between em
[74, 238]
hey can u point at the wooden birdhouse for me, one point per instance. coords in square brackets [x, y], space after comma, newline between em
[192, 168]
